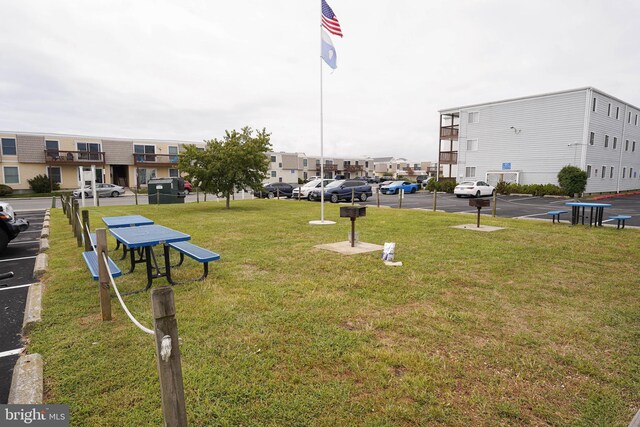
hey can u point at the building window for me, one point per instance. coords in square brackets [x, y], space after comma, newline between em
[173, 154]
[99, 174]
[273, 159]
[317, 162]
[144, 175]
[53, 149]
[11, 174]
[472, 145]
[611, 172]
[174, 173]
[474, 117]
[624, 173]
[588, 171]
[91, 151]
[9, 147]
[273, 174]
[609, 110]
[55, 174]
[617, 113]
[615, 142]
[592, 138]
[470, 172]
[593, 104]
[144, 153]
[629, 121]
[366, 164]
[606, 141]
[630, 172]
[636, 119]
[626, 145]
[305, 176]
[604, 171]
[633, 146]
[305, 163]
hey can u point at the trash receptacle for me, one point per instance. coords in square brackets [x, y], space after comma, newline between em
[166, 190]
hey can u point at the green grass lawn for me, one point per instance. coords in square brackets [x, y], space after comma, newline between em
[536, 324]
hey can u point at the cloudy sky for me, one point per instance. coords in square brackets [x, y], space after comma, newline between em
[190, 69]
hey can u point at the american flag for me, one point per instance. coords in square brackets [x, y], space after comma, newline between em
[329, 20]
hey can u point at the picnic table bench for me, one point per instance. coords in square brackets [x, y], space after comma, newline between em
[197, 253]
[556, 215]
[91, 258]
[620, 219]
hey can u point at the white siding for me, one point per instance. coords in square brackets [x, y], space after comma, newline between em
[537, 147]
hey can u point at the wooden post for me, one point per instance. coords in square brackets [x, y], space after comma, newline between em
[169, 367]
[378, 195]
[353, 196]
[53, 202]
[103, 273]
[85, 230]
[76, 224]
[493, 208]
[69, 210]
[299, 192]
[135, 192]
[64, 206]
[435, 197]
[197, 195]
[400, 194]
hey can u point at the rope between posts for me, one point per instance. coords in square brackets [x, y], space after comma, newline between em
[124, 307]
[86, 227]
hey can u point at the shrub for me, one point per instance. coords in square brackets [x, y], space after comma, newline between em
[447, 186]
[572, 180]
[432, 185]
[41, 184]
[5, 190]
[503, 187]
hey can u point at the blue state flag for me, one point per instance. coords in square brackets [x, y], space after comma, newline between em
[328, 52]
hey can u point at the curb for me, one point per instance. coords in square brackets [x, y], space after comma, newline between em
[41, 265]
[33, 309]
[27, 387]
[44, 244]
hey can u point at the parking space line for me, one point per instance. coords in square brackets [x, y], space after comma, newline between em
[25, 242]
[16, 259]
[527, 216]
[16, 287]
[11, 352]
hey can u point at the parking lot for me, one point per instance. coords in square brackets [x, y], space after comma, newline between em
[19, 258]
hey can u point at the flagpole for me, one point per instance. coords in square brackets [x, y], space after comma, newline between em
[322, 221]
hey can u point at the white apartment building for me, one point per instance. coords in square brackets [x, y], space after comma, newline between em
[528, 140]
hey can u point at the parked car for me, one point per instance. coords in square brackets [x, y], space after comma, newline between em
[342, 190]
[103, 190]
[312, 178]
[474, 188]
[425, 182]
[303, 192]
[340, 177]
[395, 187]
[421, 178]
[188, 188]
[275, 189]
[385, 183]
[10, 226]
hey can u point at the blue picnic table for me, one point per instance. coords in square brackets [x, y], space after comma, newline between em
[578, 212]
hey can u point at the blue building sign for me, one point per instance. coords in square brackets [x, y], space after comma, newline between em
[506, 166]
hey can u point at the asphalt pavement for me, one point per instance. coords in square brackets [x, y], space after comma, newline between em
[19, 257]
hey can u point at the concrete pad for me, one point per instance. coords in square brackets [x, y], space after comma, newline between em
[33, 308]
[27, 383]
[346, 249]
[40, 266]
[474, 227]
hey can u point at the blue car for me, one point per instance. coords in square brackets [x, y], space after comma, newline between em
[343, 190]
[395, 187]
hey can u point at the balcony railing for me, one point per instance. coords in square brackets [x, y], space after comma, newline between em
[353, 168]
[74, 157]
[448, 157]
[140, 159]
[327, 167]
[449, 132]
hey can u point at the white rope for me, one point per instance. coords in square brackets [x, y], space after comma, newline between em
[124, 307]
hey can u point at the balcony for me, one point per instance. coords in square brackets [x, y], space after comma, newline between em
[353, 168]
[328, 167]
[448, 157]
[155, 160]
[79, 158]
[449, 132]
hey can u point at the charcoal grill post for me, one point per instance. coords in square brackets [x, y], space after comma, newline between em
[479, 203]
[353, 212]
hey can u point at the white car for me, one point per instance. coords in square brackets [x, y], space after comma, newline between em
[474, 189]
[103, 190]
[303, 192]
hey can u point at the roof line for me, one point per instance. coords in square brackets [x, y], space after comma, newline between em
[562, 92]
[113, 138]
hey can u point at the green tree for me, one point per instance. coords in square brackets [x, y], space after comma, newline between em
[237, 161]
[572, 180]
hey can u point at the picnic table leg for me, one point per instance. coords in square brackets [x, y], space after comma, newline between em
[167, 265]
[147, 252]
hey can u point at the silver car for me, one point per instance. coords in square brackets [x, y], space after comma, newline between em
[103, 190]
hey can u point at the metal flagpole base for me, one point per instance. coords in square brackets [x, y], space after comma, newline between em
[321, 222]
